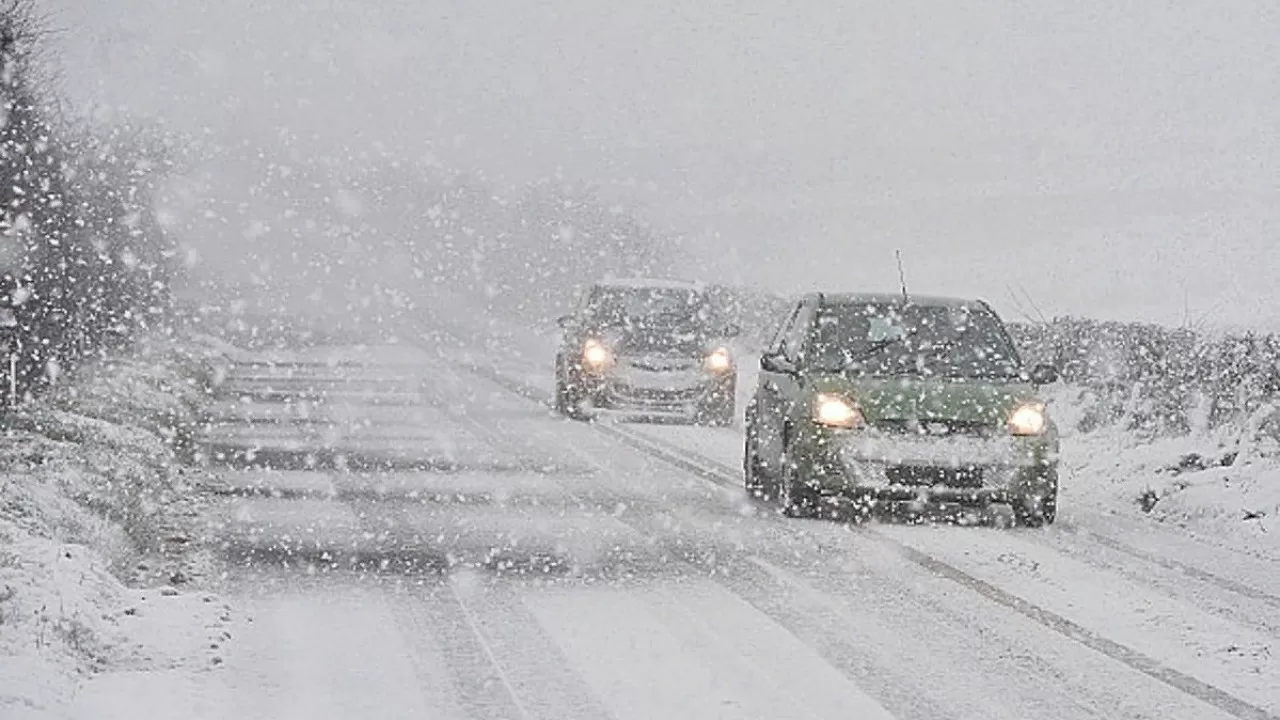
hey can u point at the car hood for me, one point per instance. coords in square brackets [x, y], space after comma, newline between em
[656, 339]
[968, 401]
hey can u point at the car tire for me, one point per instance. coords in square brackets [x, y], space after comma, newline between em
[754, 479]
[861, 509]
[717, 414]
[798, 500]
[566, 401]
[1032, 512]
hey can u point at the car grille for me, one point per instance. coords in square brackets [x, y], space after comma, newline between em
[629, 395]
[958, 477]
[662, 364]
[934, 427]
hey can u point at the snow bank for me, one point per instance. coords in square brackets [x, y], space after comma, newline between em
[1179, 426]
[1221, 483]
[97, 520]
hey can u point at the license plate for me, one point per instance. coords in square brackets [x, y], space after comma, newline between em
[943, 452]
[659, 380]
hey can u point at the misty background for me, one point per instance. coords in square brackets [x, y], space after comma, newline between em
[1110, 159]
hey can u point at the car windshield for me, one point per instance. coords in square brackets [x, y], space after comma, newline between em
[897, 339]
[650, 306]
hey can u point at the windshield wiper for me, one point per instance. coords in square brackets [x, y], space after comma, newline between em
[872, 349]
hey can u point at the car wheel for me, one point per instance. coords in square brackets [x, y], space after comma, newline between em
[861, 508]
[567, 400]
[753, 476]
[1033, 511]
[798, 499]
[718, 413]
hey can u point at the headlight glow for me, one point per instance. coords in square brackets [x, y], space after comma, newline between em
[595, 355]
[1028, 419]
[836, 411]
[718, 360]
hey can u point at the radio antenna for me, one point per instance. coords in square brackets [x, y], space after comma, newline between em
[902, 276]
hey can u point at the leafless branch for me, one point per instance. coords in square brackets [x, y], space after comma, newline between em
[1032, 302]
[1017, 305]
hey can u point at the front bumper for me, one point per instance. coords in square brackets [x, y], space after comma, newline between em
[682, 392]
[962, 470]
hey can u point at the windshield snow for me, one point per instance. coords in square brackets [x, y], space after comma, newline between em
[650, 306]
[893, 339]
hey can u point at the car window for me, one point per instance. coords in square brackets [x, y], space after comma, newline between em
[892, 339]
[646, 305]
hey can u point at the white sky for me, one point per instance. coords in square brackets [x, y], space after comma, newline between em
[1117, 158]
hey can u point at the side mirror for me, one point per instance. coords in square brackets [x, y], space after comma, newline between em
[1044, 375]
[777, 363]
[564, 321]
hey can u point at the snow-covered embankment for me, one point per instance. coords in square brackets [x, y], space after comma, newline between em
[100, 559]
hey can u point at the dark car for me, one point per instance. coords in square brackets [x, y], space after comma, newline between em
[649, 348]
[870, 399]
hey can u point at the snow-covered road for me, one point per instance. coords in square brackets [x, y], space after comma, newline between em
[410, 533]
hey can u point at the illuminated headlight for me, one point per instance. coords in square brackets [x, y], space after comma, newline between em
[718, 360]
[1028, 419]
[836, 411]
[595, 355]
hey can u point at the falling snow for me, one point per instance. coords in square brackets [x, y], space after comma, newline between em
[526, 360]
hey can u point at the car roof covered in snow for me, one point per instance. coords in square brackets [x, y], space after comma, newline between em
[850, 298]
[656, 283]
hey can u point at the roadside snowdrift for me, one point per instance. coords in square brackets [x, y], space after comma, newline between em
[1180, 426]
[96, 502]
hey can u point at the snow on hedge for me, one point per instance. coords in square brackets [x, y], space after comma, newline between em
[97, 528]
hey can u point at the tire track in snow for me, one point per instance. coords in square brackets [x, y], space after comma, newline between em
[1064, 626]
[716, 473]
[852, 654]
[1191, 571]
[480, 680]
[1227, 600]
[534, 670]
[449, 637]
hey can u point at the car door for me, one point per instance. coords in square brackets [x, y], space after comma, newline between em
[764, 404]
[779, 384]
[789, 384]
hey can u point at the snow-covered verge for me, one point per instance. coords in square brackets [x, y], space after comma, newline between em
[99, 554]
[1181, 427]
[1221, 484]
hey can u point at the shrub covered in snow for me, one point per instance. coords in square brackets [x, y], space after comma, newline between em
[94, 497]
[1154, 379]
[85, 263]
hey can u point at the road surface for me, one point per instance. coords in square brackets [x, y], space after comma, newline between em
[410, 533]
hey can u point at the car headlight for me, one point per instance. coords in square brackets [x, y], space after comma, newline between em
[595, 355]
[718, 360]
[836, 411]
[1029, 419]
